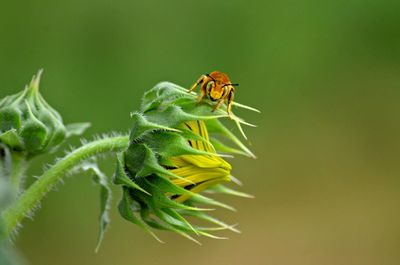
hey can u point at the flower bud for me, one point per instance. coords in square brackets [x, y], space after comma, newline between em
[28, 123]
[172, 160]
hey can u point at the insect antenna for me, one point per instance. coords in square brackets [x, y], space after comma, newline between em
[231, 85]
[210, 77]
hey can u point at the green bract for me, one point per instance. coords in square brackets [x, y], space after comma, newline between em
[29, 124]
[173, 157]
[175, 153]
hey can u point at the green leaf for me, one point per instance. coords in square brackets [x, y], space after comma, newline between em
[105, 197]
[77, 128]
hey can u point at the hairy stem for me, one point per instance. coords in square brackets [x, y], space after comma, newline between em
[18, 168]
[25, 204]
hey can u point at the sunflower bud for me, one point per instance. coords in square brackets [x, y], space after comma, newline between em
[174, 157]
[28, 123]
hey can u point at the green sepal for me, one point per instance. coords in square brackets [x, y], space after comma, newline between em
[126, 211]
[167, 186]
[197, 198]
[177, 223]
[57, 131]
[209, 218]
[134, 158]
[179, 219]
[141, 126]
[162, 93]
[121, 177]
[189, 135]
[245, 107]
[172, 224]
[221, 147]
[50, 108]
[174, 220]
[170, 144]
[171, 116]
[141, 161]
[216, 127]
[166, 162]
[11, 139]
[219, 188]
[34, 135]
[9, 118]
[159, 190]
[145, 214]
[7, 100]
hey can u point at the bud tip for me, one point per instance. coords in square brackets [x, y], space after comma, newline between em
[34, 85]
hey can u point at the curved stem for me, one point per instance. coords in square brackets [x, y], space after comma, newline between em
[33, 195]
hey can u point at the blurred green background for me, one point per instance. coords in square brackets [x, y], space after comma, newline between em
[325, 74]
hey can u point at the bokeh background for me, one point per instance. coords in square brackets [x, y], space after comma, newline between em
[325, 74]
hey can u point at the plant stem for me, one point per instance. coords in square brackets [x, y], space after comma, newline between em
[17, 172]
[25, 204]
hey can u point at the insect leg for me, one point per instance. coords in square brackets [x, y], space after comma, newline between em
[218, 104]
[230, 100]
[198, 82]
[203, 92]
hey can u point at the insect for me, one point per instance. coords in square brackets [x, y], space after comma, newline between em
[217, 87]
